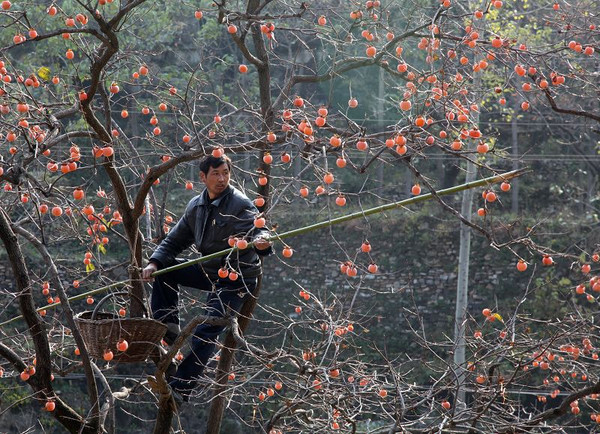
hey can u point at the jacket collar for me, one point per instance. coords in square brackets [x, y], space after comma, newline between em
[204, 197]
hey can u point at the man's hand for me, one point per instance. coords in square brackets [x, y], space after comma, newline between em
[262, 244]
[147, 272]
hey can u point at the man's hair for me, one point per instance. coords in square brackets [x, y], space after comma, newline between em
[210, 161]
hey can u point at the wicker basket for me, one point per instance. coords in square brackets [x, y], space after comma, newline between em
[101, 331]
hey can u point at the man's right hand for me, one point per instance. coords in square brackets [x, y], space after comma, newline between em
[147, 272]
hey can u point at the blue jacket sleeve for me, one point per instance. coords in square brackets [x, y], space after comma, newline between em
[178, 239]
[245, 225]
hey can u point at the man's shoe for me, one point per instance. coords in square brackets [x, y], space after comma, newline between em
[173, 331]
[178, 399]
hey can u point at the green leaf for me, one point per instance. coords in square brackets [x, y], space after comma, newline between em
[498, 317]
[102, 249]
[89, 267]
[44, 73]
[565, 282]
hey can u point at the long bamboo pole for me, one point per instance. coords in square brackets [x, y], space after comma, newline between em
[326, 223]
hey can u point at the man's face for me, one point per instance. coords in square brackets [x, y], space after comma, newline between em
[216, 180]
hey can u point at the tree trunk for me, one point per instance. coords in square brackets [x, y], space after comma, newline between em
[164, 416]
[134, 237]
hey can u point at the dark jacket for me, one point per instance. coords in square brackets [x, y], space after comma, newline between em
[208, 225]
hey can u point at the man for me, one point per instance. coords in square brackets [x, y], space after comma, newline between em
[210, 219]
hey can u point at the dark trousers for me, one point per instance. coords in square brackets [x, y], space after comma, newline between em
[224, 294]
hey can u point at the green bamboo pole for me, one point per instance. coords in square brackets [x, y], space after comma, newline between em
[401, 204]
[74, 298]
[326, 223]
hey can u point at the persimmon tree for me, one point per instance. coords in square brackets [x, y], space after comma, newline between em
[106, 105]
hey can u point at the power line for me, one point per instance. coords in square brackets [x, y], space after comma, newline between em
[395, 120]
[529, 391]
[532, 157]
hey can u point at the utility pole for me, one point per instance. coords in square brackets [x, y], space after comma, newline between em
[381, 125]
[462, 284]
[514, 202]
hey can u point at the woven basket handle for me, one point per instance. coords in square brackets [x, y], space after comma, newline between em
[107, 297]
